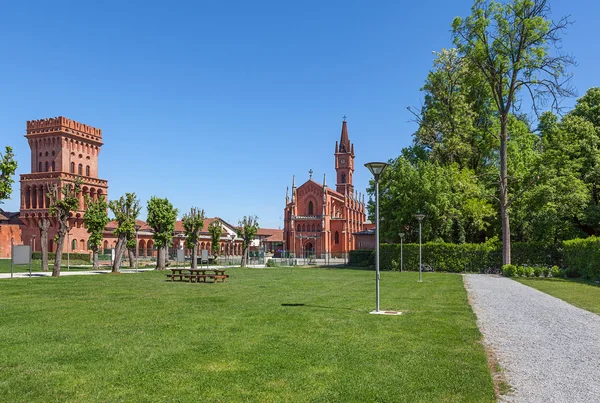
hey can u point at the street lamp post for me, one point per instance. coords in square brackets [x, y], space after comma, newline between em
[401, 252]
[420, 218]
[376, 169]
[137, 246]
[32, 250]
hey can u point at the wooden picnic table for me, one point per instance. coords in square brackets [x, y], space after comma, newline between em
[195, 275]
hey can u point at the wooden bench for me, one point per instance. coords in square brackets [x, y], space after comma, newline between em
[180, 275]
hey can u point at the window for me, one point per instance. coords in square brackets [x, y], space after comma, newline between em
[47, 166]
[74, 244]
[87, 170]
[298, 229]
[337, 237]
[310, 208]
[72, 167]
[343, 178]
[53, 166]
[314, 228]
[303, 228]
[80, 169]
[40, 167]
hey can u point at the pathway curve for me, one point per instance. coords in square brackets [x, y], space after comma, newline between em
[549, 349]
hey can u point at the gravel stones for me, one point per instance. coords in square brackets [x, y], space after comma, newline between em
[549, 349]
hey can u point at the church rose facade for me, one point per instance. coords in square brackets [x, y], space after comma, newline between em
[321, 221]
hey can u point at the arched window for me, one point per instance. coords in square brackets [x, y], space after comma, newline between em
[343, 178]
[74, 244]
[303, 228]
[82, 244]
[87, 170]
[47, 166]
[298, 229]
[53, 166]
[40, 167]
[310, 208]
[80, 169]
[314, 228]
[337, 237]
[72, 167]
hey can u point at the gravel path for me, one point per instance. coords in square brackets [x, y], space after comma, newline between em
[549, 349]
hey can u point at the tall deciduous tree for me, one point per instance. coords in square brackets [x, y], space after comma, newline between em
[510, 44]
[215, 230]
[126, 209]
[44, 225]
[8, 166]
[95, 220]
[247, 229]
[63, 201]
[161, 217]
[193, 222]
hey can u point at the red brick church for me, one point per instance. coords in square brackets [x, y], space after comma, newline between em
[321, 221]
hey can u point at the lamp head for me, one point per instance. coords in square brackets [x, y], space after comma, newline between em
[420, 216]
[401, 235]
[376, 168]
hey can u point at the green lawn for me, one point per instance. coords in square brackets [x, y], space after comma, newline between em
[73, 265]
[583, 294]
[265, 335]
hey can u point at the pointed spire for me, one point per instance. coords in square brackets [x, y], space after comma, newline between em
[293, 182]
[287, 195]
[344, 140]
[324, 180]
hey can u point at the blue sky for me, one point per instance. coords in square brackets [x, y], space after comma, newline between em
[217, 104]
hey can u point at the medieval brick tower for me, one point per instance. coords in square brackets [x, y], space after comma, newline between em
[61, 151]
[321, 221]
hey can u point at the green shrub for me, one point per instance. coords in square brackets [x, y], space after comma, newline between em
[546, 272]
[537, 271]
[582, 257]
[362, 258]
[509, 270]
[271, 263]
[554, 271]
[73, 256]
[527, 271]
[519, 272]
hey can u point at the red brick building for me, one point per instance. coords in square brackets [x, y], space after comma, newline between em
[319, 220]
[61, 151]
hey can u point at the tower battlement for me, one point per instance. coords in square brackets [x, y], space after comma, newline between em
[62, 124]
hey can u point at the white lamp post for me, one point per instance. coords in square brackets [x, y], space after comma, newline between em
[376, 169]
[232, 241]
[401, 251]
[420, 218]
[68, 248]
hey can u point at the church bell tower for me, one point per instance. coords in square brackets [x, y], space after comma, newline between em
[344, 162]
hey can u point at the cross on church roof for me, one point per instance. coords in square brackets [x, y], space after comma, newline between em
[310, 173]
[344, 117]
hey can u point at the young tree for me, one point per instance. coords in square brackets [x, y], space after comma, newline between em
[126, 210]
[95, 220]
[161, 217]
[247, 229]
[8, 166]
[510, 45]
[193, 222]
[61, 208]
[215, 230]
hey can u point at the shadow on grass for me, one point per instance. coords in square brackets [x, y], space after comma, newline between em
[322, 307]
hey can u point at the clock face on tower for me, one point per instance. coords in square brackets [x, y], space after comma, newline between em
[343, 161]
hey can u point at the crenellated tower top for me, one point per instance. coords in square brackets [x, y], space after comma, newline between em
[62, 124]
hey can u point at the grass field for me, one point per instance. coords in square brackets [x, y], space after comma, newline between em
[73, 265]
[583, 294]
[265, 335]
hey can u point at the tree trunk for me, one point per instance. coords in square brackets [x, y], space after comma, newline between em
[95, 263]
[195, 256]
[43, 225]
[244, 257]
[160, 259]
[504, 213]
[131, 258]
[58, 255]
[120, 248]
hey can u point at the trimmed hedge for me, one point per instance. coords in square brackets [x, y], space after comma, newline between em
[51, 255]
[582, 257]
[455, 258]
